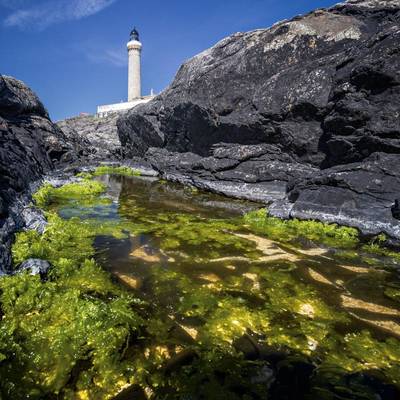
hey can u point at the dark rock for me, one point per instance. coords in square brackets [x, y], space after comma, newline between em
[148, 137]
[292, 380]
[133, 392]
[99, 136]
[396, 209]
[359, 195]
[324, 86]
[307, 111]
[17, 99]
[253, 172]
[34, 266]
[185, 357]
[30, 146]
[2, 209]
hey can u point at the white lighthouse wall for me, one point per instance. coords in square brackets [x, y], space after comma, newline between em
[104, 110]
[134, 70]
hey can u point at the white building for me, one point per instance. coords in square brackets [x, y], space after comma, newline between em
[134, 80]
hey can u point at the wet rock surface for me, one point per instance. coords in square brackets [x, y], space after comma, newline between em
[307, 111]
[258, 172]
[357, 194]
[35, 266]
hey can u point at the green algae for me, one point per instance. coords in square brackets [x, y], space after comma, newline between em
[289, 230]
[62, 239]
[362, 351]
[87, 188]
[110, 170]
[49, 327]
[206, 238]
[393, 293]
[74, 325]
[94, 322]
[377, 246]
[292, 317]
[331, 235]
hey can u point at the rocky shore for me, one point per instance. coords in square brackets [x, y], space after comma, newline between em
[100, 134]
[30, 146]
[303, 117]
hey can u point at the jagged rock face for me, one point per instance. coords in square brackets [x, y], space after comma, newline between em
[30, 145]
[100, 135]
[308, 111]
[323, 86]
[23, 120]
[17, 99]
[361, 194]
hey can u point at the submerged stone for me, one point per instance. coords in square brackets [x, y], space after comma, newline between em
[145, 253]
[34, 266]
[358, 304]
[131, 281]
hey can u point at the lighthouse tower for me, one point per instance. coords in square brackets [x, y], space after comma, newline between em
[134, 81]
[134, 67]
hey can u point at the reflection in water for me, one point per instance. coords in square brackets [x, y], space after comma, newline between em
[220, 295]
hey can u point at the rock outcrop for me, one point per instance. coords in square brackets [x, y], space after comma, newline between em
[100, 135]
[318, 96]
[357, 194]
[252, 172]
[30, 146]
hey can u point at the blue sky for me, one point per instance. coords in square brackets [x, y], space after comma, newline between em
[73, 52]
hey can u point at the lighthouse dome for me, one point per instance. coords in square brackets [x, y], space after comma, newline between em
[135, 34]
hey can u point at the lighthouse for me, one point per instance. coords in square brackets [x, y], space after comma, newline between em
[134, 81]
[134, 66]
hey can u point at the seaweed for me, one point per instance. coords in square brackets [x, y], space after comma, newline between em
[121, 170]
[77, 334]
[290, 230]
[48, 194]
[77, 313]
